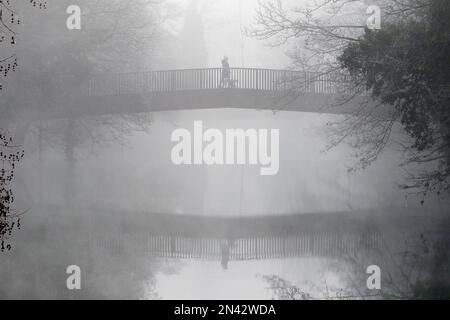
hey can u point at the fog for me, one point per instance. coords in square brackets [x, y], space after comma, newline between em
[96, 187]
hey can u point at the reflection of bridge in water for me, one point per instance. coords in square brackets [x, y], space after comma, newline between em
[245, 238]
[270, 247]
[204, 88]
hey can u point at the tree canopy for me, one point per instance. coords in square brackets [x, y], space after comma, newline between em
[402, 67]
[406, 65]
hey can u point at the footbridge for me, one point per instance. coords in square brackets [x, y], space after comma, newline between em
[333, 234]
[206, 88]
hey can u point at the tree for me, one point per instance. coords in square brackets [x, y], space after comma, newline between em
[193, 51]
[57, 64]
[402, 66]
[396, 77]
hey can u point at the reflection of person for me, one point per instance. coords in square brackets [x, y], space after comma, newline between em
[225, 252]
[225, 72]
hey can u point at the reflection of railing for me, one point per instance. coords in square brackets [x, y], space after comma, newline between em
[206, 79]
[324, 244]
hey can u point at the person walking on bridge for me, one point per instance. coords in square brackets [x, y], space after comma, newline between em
[225, 73]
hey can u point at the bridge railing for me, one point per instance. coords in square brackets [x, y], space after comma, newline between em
[269, 247]
[213, 78]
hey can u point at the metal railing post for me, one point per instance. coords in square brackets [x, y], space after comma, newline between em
[172, 80]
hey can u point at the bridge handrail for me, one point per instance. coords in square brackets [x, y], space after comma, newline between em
[212, 78]
[331, 244]
[195, 69]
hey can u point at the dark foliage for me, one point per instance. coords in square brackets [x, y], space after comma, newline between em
[10, 155]
[406, 65]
